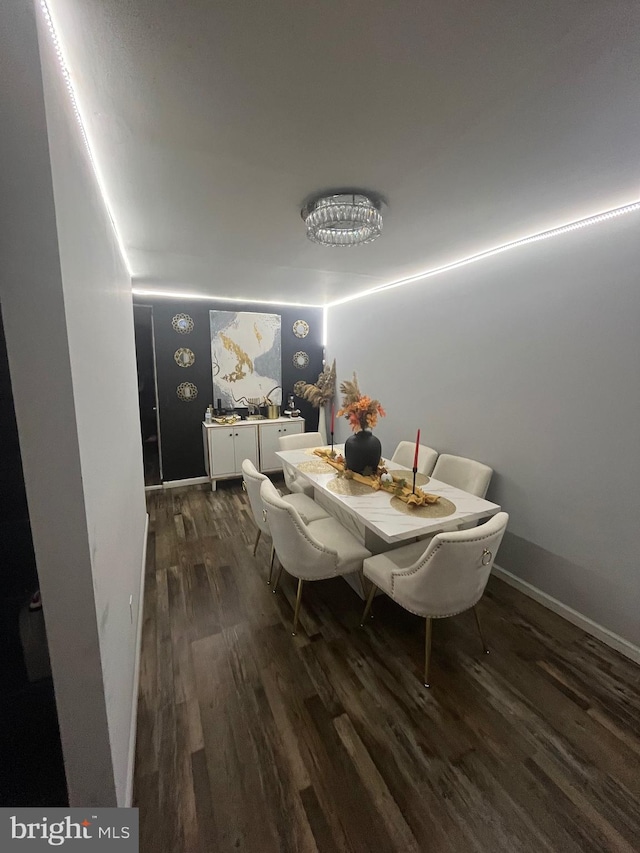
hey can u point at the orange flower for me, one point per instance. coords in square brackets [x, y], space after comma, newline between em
[360, 410]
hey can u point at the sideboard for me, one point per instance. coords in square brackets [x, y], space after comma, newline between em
[227, 445]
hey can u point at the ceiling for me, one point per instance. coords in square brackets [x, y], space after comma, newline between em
[478, 122]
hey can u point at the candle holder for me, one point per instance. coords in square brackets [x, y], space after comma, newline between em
[332, 441]
[415, 462]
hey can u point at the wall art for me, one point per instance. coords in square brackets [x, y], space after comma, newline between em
[183, 324]
[187, 391]
[184, 357]
[246, 357]
[301, 328]
[301, 360]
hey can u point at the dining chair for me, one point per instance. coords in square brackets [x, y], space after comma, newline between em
[252, 479]
[310, 552]
[405, 452]
[299, 441]
[446, 578]
[465, 474]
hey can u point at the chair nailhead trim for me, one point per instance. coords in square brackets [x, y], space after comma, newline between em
[304, 532]
[405, 573]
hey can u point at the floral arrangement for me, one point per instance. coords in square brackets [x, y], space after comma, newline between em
[361, 411]
[324, 389]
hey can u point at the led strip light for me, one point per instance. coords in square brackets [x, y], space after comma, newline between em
[171, 294]
[74, 103]
[534, 238]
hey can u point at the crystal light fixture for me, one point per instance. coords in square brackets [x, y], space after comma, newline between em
[342, 219]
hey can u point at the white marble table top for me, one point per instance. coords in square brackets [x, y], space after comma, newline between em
[375, 512]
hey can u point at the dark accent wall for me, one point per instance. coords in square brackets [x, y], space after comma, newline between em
[180, 422]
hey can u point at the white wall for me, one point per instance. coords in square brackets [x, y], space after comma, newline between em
[99, 315]
[69, 321]
[530, 362]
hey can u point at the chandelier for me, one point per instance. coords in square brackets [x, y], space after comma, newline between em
[342, 219]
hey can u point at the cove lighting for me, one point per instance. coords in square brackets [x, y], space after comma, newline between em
[542, 235]
[74, 103]
[139, 291]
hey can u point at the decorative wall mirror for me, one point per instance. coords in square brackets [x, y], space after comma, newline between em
[184, 357]
[182, 323]
[187, 391]
[301, 328]
[301, 360]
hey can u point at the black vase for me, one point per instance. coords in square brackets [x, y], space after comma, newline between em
[362, 452]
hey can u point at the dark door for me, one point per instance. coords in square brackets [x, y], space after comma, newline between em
[147, 394]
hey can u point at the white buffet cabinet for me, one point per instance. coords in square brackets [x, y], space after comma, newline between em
[227, 445]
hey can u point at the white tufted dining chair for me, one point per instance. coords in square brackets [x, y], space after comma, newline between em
[465, 474]
[310, 552]
[252, 479]
[405, 452]
[299, 441]
[445, 579]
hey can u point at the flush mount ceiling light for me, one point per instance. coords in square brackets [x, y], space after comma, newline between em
[346, 218]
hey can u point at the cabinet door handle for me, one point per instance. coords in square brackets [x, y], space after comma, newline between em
[237, 434]
[230, 435]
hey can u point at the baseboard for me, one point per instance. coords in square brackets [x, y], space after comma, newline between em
[136, 675]
[153, 488]
[194, 481]
[615, 641]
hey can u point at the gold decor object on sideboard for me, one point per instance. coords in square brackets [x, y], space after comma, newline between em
[226, 419]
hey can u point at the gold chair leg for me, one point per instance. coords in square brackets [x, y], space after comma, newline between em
[362, 583]
[484, 645]
[297, 610]
[367, 606]
[273, 557]
[255, 547]
[427, 649]
[275, 586]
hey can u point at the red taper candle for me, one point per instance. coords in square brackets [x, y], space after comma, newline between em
[333, 416]
[415, 458]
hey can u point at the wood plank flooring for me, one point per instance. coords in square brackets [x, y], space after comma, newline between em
[252, 740]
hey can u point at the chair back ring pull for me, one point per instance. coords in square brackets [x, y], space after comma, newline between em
[487, 556]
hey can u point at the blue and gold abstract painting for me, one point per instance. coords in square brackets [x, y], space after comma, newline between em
[246, 357]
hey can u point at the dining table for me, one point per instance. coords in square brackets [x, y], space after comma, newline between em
[378, 519]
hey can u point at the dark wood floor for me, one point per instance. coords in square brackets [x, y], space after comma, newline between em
[252, 740]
